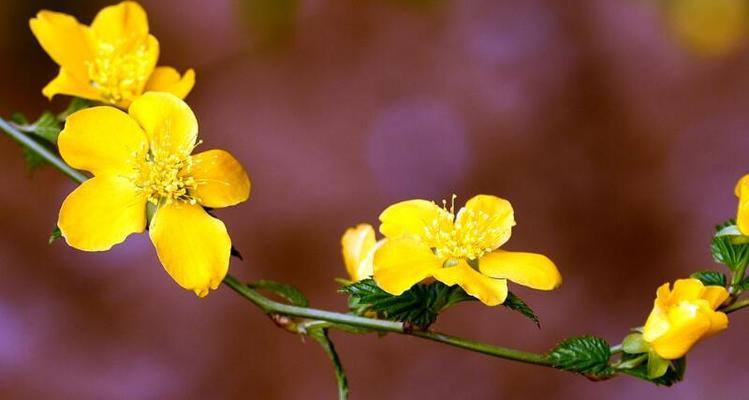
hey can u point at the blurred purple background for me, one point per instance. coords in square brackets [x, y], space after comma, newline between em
[618, 147]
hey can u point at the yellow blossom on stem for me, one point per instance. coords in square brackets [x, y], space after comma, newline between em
[742, 213]
[424, 240]
[142, 165]
[358, 246]
[112, 61]
[683, 316]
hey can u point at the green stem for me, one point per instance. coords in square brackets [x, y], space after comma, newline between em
[736, 279]
[272, 307]
[736, 306]
[42, 151]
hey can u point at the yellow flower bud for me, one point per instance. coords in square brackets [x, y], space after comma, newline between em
[683, 316]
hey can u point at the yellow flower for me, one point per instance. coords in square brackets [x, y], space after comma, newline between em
[112, 61]
[358, 246]
[742, 214]
[424, 240]
[683, 316]
[142, 165]
[709, 27]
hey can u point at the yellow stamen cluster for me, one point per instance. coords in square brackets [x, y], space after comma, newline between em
[165, 178]
[119, 71]
[469, 237]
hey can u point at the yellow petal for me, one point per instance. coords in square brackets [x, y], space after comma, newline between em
[193, 246]
[221, 180]
[101, 140]
[356, 244]
[124, 21]
[65, 40]
[402, 263]
[410, 217]
[493, 215]
[688, 325]
[528, 269]
[742, 214]
[366, 266]
[718, 323]
[657, 323]
[744, 181]
[167, 79]
[686, 289]
[715, 295]
[169, 123]
[489, 290]
[66, 83]
[101, 213]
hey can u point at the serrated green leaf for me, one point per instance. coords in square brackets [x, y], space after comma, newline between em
[33, 160]
[727, 250]
[587, 355]
[419, 305]
[289, 293]
[47, 127]
[56, 234]
[515, 303]
[711, 278]
[320, 335]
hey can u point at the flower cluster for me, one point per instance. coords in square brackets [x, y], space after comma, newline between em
[138, 145]
[144, 173]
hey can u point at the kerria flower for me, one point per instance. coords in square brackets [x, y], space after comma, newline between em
[142, 165]
[709, 27]
[683, 316]
[112, 61]
[742, 213]
[424, 240]
[358, 245]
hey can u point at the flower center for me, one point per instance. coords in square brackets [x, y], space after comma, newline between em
[468, 237]
[118, 72]
[165, 179]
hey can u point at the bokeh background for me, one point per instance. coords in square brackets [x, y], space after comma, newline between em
[617, 129]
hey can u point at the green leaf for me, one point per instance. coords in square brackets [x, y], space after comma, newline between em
[33, 160]
[515, 303]
[419, 305]
[587, 355]
[289, 293]
[44, 131]
[729, 246]
[725, 251]
[321, 336]
[711, 278]
[56, 234]
[727, 228]
[47, 127]
[75, 105]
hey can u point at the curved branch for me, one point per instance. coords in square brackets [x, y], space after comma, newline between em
[272, 307]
